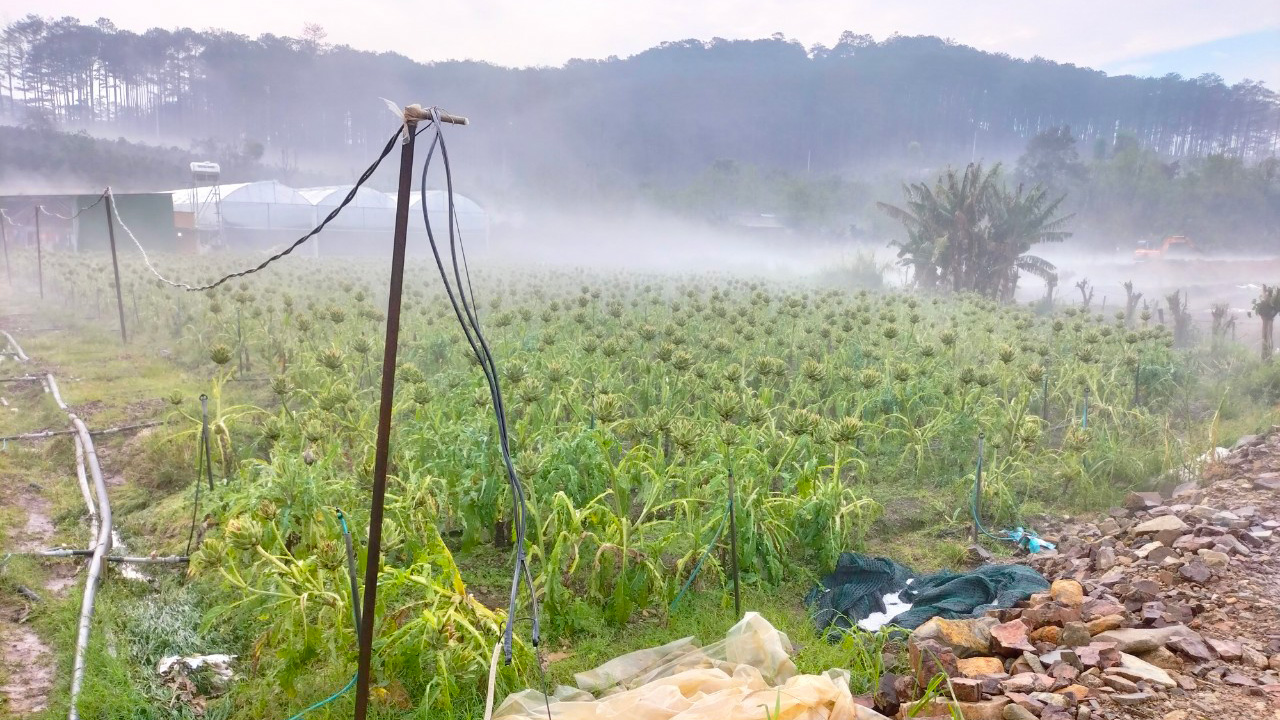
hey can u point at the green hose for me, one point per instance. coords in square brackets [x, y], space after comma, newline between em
[696, 568]
[355, 602]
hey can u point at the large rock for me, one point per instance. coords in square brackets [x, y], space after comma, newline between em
[966, 638]
[976, 666]
[1195, 571]
[1192, 646]
[1067, 592]
[1143, 501]
[986, 710]
[1074, 634]
[1016, 712]
[1027, 683]
[1137, 670]
[1162, 658]
[1213, 558]
[1226, 649]
[930, 657]
[1105, 623]
[1010, 639]
[1140, 640]
[1159, 524]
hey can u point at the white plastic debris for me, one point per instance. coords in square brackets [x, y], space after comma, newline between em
[219, 663]
[893, 607]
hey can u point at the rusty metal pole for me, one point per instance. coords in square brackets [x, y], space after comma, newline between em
[39, 253]
[372, 563]
[115, 265]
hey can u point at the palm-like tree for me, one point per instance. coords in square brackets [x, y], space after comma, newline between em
[968, 232]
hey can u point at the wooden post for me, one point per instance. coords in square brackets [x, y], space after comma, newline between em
[109, 201]
[4, 238]
[39, 253]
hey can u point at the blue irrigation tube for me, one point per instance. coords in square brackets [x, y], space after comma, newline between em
[355, 610]
[1084, 421]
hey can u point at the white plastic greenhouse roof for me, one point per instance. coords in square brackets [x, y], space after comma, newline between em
[264, 191]
[438, 202]
[332, 195]
[271, 205]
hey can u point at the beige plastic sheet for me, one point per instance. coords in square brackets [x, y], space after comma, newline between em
[747, 676]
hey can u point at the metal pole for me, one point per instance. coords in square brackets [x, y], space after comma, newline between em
[977, 487]
[733, 547]
[367, 617]
[39, 253]
[4, 238]
[115, 265]
[1084, 420]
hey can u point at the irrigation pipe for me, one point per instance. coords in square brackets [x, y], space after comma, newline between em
[84, 490]
[100, 550]
[17, 349]
[131, 560]
[55, 433]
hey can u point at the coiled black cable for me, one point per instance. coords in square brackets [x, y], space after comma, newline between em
[463, 302]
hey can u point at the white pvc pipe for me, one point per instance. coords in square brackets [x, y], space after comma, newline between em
[84, 490]
[100, 551]
[16, 347]
[53, 388]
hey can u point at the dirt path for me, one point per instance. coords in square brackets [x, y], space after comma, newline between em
[26, 663]
[29, 669]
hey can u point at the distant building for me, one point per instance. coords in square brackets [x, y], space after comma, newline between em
[269, 214]
[149, 215]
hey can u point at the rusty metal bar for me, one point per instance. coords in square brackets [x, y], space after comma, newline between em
[374, 560]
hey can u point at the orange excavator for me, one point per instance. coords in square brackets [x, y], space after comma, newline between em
[1173, 246]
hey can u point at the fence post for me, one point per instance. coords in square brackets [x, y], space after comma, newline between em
[109, 201]
[977, 488]
[39, 252]
[367, 617]
[4, 238]
[733, 547]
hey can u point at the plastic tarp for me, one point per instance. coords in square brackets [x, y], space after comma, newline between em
[858, 585]
[747, 676]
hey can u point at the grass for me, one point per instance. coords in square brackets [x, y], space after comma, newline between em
[924, 524]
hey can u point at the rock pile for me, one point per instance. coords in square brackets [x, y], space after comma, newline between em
[1165, 608]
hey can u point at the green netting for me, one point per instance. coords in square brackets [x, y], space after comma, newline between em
[953, 595]
[859, 583]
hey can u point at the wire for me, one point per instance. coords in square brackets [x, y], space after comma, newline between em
[5, 215]
[364, 177]
[463, 303]
[350, 683]
[95, 204]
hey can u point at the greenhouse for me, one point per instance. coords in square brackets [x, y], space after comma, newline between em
[263, 205]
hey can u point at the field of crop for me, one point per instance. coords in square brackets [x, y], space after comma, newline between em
[847, 419]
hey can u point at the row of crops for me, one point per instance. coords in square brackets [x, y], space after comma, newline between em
[632, 398]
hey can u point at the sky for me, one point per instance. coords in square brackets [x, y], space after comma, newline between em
[1235, 38]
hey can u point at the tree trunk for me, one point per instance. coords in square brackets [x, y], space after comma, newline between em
[1267, 340]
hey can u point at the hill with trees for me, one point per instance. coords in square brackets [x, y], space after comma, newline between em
[823, 131]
